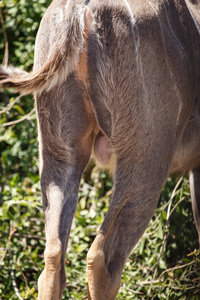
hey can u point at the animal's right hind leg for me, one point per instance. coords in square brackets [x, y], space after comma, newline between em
[138, 183]
[195, 196]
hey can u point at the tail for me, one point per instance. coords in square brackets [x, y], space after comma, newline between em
[63, 58]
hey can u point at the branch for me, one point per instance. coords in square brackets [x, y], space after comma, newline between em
[169, 212]
[29, 236]
[10, 105]
[11, 233]
[175, 268]
[26, 117]
[17, 293]
[24, 277]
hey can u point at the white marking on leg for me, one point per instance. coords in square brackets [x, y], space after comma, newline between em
[56, 202]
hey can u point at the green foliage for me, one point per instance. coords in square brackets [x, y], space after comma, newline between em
[164, 265]
[22, 20]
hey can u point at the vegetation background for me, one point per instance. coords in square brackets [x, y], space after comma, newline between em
[164, 265]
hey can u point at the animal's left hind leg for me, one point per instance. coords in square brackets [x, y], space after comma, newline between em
[195, 195]
[65, 137]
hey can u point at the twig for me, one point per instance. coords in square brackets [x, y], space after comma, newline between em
[134, 292]
[26, 117]
[159, 280]
[196, 279]
[29, 236]
[176, 268]
[181, 288]
[17, 293]
[10, 105]
[175, 206]
[6, 53]
[12, 231]
[172, 196]
[152, 225]
[25, 279]
[71, 285]
[108, 194]
[149, 282]
[165, 229]
[147, 234]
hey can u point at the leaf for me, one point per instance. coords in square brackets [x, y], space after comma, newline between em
[142, 243]
[19, 109]
[82, 247]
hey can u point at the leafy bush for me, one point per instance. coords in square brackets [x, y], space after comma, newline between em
[164, 265]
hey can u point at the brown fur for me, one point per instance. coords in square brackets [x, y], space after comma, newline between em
[130, 70]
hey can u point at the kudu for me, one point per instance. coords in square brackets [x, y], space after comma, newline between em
[122, 77]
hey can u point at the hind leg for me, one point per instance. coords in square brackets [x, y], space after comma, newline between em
[65, 138]
[139, 177]
[195, 196]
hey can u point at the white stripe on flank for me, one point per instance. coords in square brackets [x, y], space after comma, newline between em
[133, 24]
[152, 7]
[131, 13]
